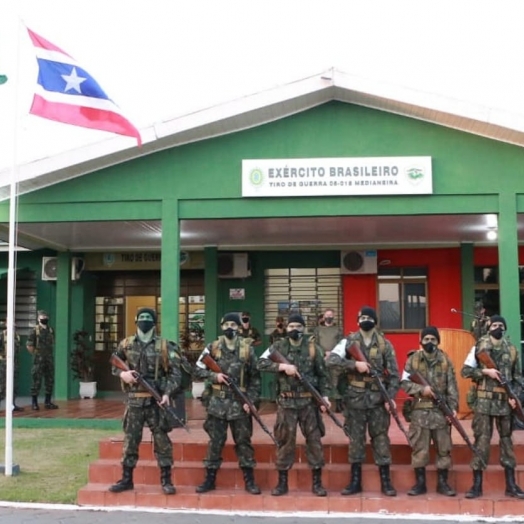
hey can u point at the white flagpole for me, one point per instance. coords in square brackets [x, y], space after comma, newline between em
[10, 320]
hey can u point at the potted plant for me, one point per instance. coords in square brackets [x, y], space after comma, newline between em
[83, 364]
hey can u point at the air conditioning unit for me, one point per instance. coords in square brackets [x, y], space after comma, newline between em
[49, 268]
[233, 265]
[358, 262]
[77, 267]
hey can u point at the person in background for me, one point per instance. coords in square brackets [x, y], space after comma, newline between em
[41, 344]
[327, 336]
[279, 331]
[3, 366]
[246, 330]
[428, 423]
[491, 404]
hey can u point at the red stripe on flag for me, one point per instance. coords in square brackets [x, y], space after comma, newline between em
[100, 119]
[39, 41]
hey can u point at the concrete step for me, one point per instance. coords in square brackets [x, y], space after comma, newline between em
[497, 505]
[336, 453]
[334, 476]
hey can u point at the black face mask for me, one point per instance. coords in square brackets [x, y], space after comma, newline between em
[145, 325]
[280, 326]
[230, 333]
[497, 333]
[245, 320]
[328, 320]
[366, 325]
[44, 321]
[295, 334]
[429, 347]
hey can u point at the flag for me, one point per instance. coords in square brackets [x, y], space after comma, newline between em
[65, 92]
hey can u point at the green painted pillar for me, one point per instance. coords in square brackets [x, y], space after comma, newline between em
[509, 265]
[170, 269]
[62, 324]
[211, 292]
[467, 267]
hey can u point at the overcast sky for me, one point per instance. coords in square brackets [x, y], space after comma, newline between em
[163, 58]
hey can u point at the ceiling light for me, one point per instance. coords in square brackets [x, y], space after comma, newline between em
[492, 221]
[491, 235]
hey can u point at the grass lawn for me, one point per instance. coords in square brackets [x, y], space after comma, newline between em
[53, 463]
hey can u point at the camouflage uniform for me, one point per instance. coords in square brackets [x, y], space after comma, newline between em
[43, 341]
[427, 420]
[295, 404]
[250, 332]
[225, 409]
[3, 364]
[161, 368]
[327, 337]
[365, 405]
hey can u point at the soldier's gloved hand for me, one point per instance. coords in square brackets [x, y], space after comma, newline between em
[362, 367]
[492, 373]
[512, 403]
[288, 369]
[246, 408]
[323, 408]
[128, 377]
[164, 401]
[222, 378]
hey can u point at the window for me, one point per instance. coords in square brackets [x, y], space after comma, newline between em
[402, 295]
[308, 291]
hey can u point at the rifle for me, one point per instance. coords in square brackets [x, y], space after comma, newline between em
[212, 364]
[477, 329]
[441, 403]
[276, 356]
[355, 352]
[484, 358]
[116, 361]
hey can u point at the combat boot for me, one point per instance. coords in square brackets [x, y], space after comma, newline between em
[209, 481]
[385, 482]
[15, 407]
[281, 488]
[476, 489]
[249, 481]
[125, 483]
[48, 404]
[317, 488]
[512, 490]
[165, 480]
[355, 484]
[420, 482]
[442, 484]
[34, 403]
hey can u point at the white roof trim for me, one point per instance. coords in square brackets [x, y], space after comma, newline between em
[266, 106]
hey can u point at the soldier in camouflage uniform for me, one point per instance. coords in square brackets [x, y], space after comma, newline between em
[246, 330]
[491, 404]
[296, 405]
[3, 366]
[41, 344]
[236, 358]
[427, 420]
[365, 406]
[158, 362]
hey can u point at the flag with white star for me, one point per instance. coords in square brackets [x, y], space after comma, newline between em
[67, 93]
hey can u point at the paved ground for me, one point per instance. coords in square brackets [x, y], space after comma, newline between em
[70, 515]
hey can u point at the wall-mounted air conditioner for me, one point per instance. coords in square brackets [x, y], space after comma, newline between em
[233, 265]
[358, 262]
[49, 268]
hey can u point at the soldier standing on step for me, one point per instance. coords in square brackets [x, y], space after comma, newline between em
[158, 362]
[236, 358]
[296, 406]
[427, 420]
[491, 404]
[41, 344]
[365, 406]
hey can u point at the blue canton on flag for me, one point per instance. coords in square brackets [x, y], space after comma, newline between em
[67, 93]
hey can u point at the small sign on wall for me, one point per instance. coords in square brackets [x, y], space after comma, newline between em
[237, 293]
